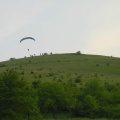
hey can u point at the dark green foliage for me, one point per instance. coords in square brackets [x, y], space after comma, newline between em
[32, 72]
[97, 65]
[36, 84]
[29, 61]
[50, 74]
[78, 79]
[12, 59]
[45, 53]
[40, 76]
[55, 97]
[95, 98]
[108, 64]
[94, 87]
[22, 73]
[96, 75]
[90, 106]
[98, 100]
[17, 99]
[78, 53]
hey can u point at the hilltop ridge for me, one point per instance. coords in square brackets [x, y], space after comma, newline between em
[65, 67]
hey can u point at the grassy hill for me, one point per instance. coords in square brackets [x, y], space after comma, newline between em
[64, 67]
[82, 98]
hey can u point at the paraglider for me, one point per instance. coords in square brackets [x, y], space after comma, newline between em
[27, 38]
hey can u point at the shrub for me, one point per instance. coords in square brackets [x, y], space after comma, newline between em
[11, 59]
[108, 64]
[78, 53]
[97, 99]
[36, 84]
[97, 65]
[32, 72]
[78, 79]
[17, 99]
[55, 97]
[22, 73]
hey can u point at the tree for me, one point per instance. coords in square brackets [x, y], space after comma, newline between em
[17, 99]
[94, 87]
[91, 106]
[55, 97]
[89, 97]
[78, 53]
[11, 59]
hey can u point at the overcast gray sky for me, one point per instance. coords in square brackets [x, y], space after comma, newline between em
[59, 26]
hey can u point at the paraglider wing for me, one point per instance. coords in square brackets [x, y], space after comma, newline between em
[27, 38]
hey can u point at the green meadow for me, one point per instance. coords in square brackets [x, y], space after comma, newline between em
[65, 67]
[60, 86]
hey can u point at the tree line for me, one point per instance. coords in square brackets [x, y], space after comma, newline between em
[23, 100]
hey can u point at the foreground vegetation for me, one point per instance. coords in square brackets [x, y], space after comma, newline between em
[22, 100]
[65, 86]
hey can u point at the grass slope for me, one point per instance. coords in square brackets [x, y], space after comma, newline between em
[65, 67]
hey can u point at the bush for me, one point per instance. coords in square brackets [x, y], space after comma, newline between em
[55, 97]
[78, 79]
[98, 100]
[17, 99]
[36, 84]
[78, 53]
[12, 59]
